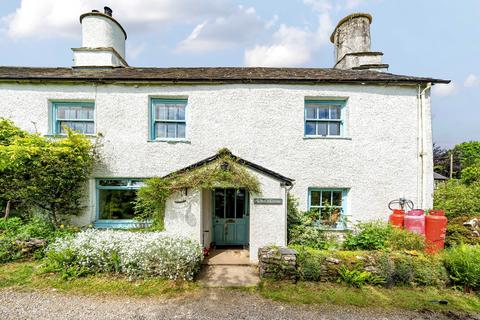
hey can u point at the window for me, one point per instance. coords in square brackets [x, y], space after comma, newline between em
[79, 116]
[168, 119]
[324, 118]
[328, 205]
[115, 201]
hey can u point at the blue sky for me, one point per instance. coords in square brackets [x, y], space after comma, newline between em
[437, 38]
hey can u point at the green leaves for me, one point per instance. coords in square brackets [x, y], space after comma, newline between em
[41, 174]
[463, 265]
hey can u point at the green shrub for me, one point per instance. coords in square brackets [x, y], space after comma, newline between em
[458, 234]
[357, 278]
[401, 239]
[400, 268]
[457, 198]
[463, 265]
[368, 236]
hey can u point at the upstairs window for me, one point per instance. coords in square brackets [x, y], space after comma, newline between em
[328, 206]
[324, 118]
[78, 116]
[168, 121]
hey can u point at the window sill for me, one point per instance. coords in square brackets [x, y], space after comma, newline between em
[326, 138]
[59, 136]
[170, 140]
[119, 224]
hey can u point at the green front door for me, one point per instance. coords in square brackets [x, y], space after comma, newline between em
[230, 216]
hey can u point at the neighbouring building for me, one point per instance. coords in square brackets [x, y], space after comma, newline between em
[344, 140]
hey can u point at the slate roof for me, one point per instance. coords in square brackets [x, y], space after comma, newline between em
[268, 172]
[438, 176]
[202, 75]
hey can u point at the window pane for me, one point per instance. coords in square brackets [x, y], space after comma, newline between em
[77, 126]
[310, 113]
[112, 183]
[230, 203]
[310, 128]
[322, 128]
[326, 198]
[335, 112]
[161, 112]
[74, 113]
[161, 130]
[117, 204]
[334, 129]
[315, 198]
[171, 130]
[219, 203]
[241, 198]
[172, 112]
[337, 198]
[181, 130]
[181, 112]
[322, 112]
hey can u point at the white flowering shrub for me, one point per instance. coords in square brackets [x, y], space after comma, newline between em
[136, 254]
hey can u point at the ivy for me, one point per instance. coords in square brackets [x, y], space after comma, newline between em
[226, 171]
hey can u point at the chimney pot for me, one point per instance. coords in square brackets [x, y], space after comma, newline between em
[108, 11]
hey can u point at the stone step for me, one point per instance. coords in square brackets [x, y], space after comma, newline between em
[228, 276]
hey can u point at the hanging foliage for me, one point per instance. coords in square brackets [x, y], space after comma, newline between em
[224, 171]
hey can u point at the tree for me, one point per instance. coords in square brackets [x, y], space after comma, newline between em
[44, 174]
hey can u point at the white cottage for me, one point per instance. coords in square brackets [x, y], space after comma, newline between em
[343, 140]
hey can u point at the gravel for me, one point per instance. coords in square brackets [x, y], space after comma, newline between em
[205, 304]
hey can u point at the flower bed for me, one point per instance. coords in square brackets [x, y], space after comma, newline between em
[136, 254]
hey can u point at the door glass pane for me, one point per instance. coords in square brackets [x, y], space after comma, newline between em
[334, 128]
[335, 112]
[322, 128]
[337, 198]
[117, 204]
[219, 203]
[326, 198]
[241, 198]
[310, 128]
[230, 203]
[315, 198]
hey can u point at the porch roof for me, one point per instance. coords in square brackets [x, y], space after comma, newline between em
[251, 165]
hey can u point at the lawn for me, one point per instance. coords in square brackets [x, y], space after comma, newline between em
[368, 296]
[27, 275]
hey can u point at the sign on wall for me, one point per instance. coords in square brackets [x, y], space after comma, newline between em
[275, 201]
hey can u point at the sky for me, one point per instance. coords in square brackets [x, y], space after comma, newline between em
[435, 38]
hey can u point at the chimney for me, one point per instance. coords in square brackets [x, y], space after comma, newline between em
[103, 41]
[352, 43]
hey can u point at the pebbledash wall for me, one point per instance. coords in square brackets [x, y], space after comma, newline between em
[377, 160]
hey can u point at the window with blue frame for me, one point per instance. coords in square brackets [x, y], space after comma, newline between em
[328, 205]
[78, 116]
[324, 118]
[116, 200]
[167, 119]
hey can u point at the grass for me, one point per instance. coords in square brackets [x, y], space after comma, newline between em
[368, 296]
[26, 275]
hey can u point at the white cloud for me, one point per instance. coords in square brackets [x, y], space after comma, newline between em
[445, 90]
[471, 81]
[54, 18]
[290, 47]
[135, 50]
[237, 28]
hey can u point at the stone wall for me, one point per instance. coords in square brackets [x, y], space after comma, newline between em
[277, 262]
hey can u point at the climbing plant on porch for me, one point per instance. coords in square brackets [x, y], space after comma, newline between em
[224, 171]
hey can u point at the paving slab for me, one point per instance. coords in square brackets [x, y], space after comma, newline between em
[228, 276]
[228, 257]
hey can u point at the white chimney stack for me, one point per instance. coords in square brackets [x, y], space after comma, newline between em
[103, 41]
[352, 43]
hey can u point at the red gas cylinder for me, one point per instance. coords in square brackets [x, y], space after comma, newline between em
[414, 221]
[396, 218]
[435, 230]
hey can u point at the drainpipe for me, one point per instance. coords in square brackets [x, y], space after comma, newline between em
[287, 190]
[421, 145]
